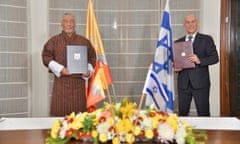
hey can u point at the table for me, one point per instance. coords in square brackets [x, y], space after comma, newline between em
[39, 136]
[220, 130]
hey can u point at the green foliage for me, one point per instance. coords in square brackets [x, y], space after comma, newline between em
[58, 140]
[88, 124]
[196, 137]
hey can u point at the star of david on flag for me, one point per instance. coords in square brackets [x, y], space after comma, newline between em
[159, 84]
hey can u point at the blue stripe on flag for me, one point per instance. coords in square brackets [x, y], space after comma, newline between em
[153, 98]
[170, 97]
[158, 86]
[166, 20]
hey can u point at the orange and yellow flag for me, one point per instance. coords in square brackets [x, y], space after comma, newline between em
[97, 87]
[102, 76]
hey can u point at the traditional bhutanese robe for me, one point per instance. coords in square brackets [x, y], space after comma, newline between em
[68, 93]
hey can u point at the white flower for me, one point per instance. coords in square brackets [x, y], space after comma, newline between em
[103, 127]
[62, 133]
[152, 106]
[146, 124]
[122, 136]
[79, 114]
[63, 129]
[117, 106]
[142, 112]
[165, 132]
[111, 135]
[181, 134]
[98, 114]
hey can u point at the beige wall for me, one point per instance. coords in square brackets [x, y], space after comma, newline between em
[210, 16]
[39, 35]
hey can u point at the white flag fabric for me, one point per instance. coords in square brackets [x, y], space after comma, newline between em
[159, 84]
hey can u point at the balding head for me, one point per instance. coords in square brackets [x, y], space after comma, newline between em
[68, 23]
[191, 24]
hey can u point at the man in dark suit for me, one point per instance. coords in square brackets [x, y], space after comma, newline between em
[195, 82]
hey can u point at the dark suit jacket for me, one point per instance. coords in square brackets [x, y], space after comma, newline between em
[205, 49]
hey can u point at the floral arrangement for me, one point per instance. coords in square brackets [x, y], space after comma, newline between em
[122, 122]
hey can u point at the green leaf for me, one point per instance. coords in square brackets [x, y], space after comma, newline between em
[88, 124]
[196, 137]
[58, 140]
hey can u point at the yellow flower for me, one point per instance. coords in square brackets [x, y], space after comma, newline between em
[124, 125]
[76, 124]
[149, 134]
[110, 121]
[155, 121]
[130, 138]
[55, 128]
[77, 121]
[72, 115]
[83, 116]
[94, 133]
[115, 140]
[97, 111]
[103, 137]
[137, 130]
[127, 109]
[172, 120]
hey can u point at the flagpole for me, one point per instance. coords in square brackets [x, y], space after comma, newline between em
[141, 101]
[142, 96]
[139, 108]
[112, 111]
[109, 97]
[114, 93]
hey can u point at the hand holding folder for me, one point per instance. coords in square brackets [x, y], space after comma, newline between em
[181, 52]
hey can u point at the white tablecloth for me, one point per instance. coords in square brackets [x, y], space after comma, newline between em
[214, 123]
[26, 123]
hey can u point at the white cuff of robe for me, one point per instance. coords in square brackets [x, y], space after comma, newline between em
[91, 70]
[55, 67]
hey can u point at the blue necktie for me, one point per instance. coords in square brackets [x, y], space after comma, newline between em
[190, 38]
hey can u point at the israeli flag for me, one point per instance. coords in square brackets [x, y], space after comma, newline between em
[159, 84]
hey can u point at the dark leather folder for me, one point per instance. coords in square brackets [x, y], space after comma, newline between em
[181, 52]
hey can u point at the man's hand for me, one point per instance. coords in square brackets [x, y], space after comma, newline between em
[177, 69]
[65, 72]
[194, 58]
[86, 74]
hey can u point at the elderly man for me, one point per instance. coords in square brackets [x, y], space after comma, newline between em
[68, 93]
